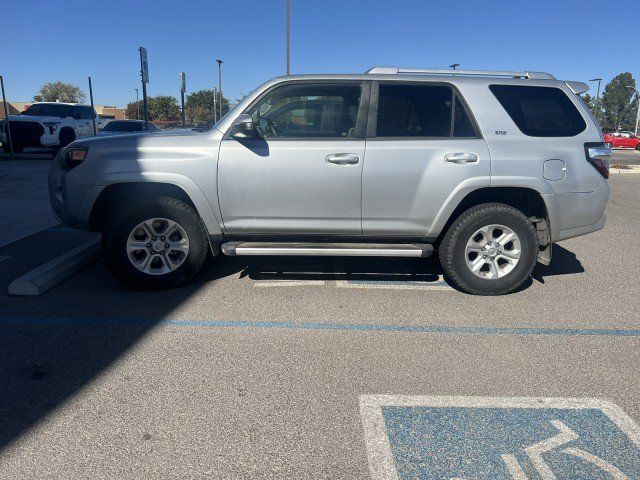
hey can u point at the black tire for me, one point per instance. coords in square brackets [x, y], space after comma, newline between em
[452, 249]
[66, 137]
[124, 219]
[6, 148]
[638, 147]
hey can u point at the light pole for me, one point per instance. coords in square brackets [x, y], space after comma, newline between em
[453, 67]
[599, 80]
[137, 105]
[638, 111]
[220, 86]
[288, 35]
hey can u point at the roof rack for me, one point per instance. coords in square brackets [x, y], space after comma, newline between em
[479, 73]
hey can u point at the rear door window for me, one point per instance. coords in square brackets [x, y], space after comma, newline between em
[422, 110]
[540, 111]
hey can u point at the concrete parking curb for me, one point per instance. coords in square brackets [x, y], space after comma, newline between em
[630, 169]
[46, 276]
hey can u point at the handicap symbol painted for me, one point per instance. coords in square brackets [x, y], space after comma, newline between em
[489, 438]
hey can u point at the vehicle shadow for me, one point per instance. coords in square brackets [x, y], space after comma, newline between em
[341, 268]
[54, 345]
[564, 262]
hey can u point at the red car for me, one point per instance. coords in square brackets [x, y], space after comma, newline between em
[622, 139]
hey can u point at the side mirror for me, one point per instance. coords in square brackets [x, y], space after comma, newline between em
[244, 128]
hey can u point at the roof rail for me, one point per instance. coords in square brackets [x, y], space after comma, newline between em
[479, 73]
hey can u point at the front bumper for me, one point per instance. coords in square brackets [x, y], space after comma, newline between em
[71, 202]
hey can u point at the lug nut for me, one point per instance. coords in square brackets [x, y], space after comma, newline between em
[166, 245]
[162, 238]
[153, 238]
[484, 256]
[148, 245]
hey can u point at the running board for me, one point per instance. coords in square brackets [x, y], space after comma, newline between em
[328, 249]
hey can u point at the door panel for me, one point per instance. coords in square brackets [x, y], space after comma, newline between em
[289, 186]
[406, 182]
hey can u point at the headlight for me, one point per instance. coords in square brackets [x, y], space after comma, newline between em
[51, 126]
[75, 156]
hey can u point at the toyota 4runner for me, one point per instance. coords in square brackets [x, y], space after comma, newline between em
[485, 168]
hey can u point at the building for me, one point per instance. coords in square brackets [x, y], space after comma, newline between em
[105, 111]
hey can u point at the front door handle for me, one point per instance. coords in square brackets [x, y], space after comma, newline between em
[461, 157]
[343, 159]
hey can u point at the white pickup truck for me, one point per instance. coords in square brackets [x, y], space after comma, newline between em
[53, 125]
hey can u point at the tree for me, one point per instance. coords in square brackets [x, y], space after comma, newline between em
[59, 92]
[199, 107]
[133, 109]
[594, 106]
[163, 108]
[620, 103]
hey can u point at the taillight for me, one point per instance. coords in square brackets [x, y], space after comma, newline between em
[599, 155]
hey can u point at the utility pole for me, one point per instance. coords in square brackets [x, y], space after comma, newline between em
[219, 87]
[638, 111]
[144, 74]
[215, 105]
[137, 105]
[95, 131]
[288, 36]
[599, 80]
[183, 87]
[7, 123]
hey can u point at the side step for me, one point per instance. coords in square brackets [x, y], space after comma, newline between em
[329, 249]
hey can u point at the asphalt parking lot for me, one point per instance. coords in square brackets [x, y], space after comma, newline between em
[259, 368]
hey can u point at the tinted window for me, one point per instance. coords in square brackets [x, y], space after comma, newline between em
[308, 111]
[123, 127]
[414, 111]
[540, 111]
[462, 124]
[49, 110]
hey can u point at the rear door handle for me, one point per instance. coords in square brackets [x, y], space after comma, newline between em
[461, 157]
[343, 159]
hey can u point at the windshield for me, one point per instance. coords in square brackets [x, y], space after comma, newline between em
[123, 127]
[49, 110]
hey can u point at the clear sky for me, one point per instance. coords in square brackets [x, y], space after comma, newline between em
[68, 40]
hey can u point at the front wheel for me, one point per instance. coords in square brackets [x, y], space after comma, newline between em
[159, 243]
[490, 249]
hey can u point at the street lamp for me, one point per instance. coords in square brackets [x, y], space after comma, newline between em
[599, 80]
[288, 33]
[638, 112]
[220, 86]
[454, 65]
[137, 105]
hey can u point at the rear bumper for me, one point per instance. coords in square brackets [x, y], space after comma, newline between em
[575, 214]
[576, 232]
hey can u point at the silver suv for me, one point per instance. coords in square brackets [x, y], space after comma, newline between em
[486, 168]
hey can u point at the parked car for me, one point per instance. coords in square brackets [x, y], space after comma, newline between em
[52, 125]
[622, 140]
[119, 127]
[487, 169]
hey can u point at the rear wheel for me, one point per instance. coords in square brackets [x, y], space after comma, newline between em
[159, 243]
[66, 137]
[6, 148]
[490, 249]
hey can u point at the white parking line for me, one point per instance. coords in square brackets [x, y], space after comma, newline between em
[395, 284]
[287, 283]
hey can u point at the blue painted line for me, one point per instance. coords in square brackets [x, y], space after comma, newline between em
[445, 329]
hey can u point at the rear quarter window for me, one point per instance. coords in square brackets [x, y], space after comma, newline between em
[540, 111]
